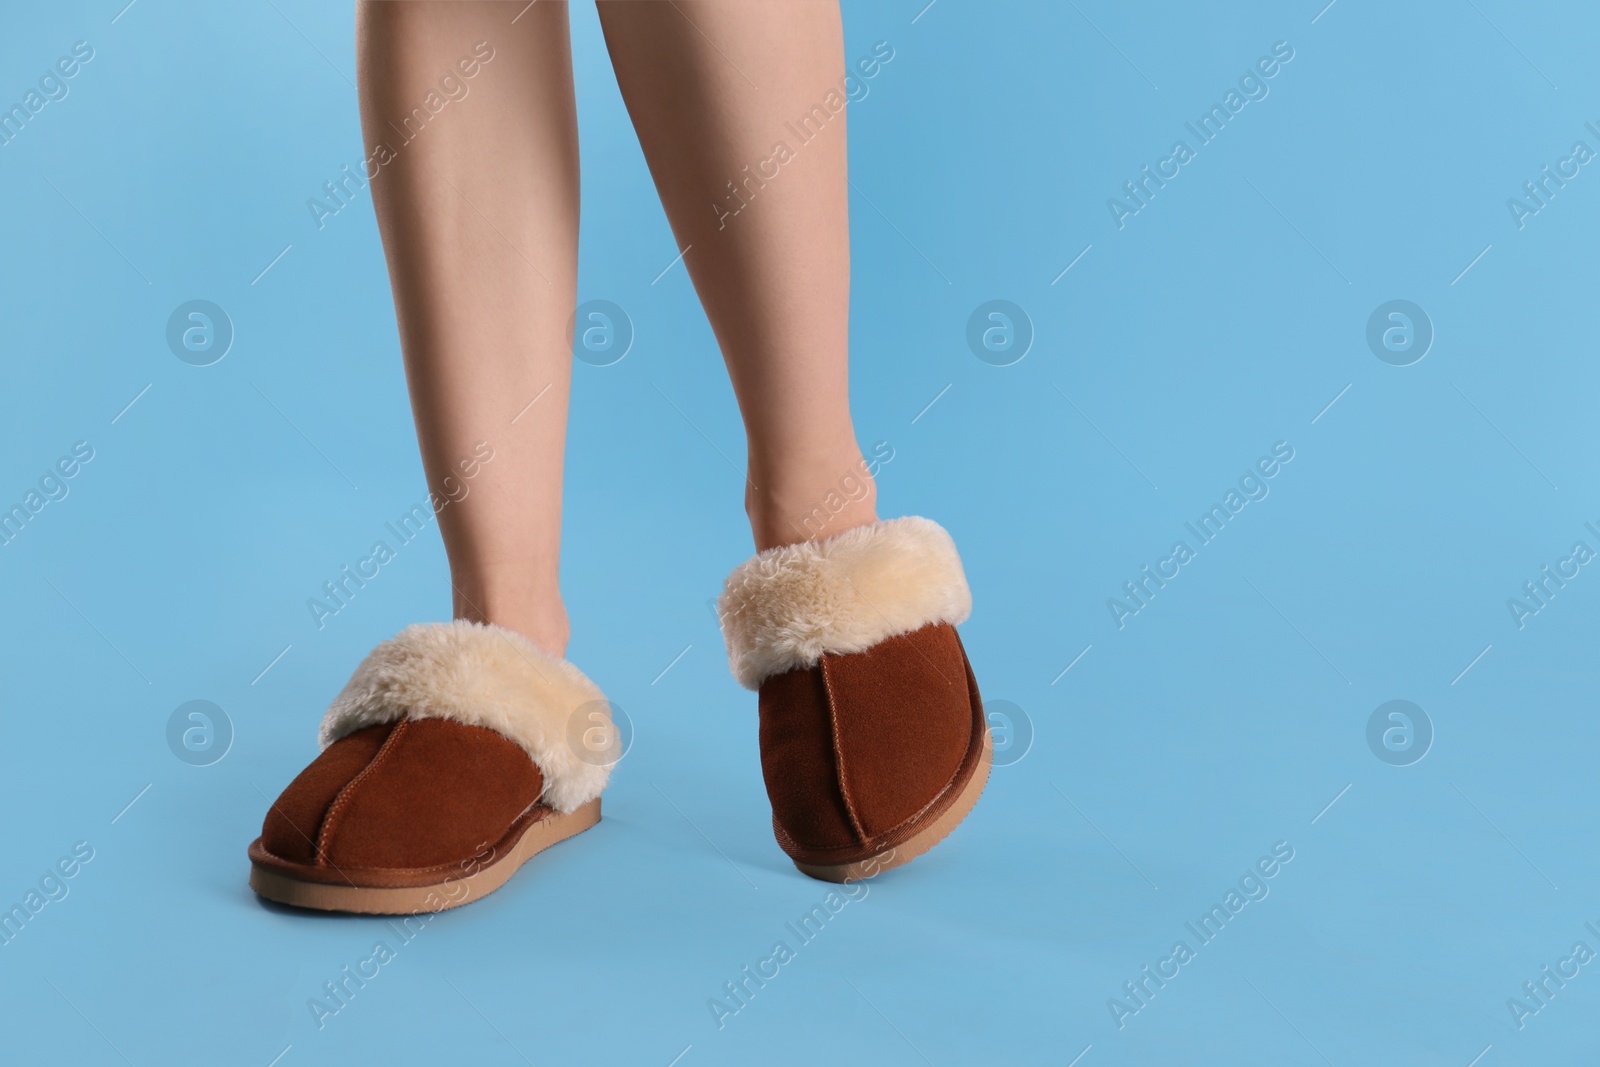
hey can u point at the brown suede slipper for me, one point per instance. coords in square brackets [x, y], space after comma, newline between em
[454, 754]
[873, 739]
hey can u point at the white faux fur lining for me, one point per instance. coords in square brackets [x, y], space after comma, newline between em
[785, 607]
[486, 675]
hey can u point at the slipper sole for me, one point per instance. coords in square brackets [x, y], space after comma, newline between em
[435, 889]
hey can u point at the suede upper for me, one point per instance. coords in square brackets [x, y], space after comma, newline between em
[861, 749]
[418, 793]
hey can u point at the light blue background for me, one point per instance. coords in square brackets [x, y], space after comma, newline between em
[1223, 718]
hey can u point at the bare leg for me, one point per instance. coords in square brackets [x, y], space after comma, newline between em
[713, 86]
[478, 207]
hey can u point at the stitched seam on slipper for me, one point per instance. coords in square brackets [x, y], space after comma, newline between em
[838, 756]
[342, 801]
[880, 841]
[973, 740]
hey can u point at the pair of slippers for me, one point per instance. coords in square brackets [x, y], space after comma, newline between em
[459, 750]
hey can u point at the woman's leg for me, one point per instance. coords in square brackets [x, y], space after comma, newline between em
[714, 87]
[873, 688]
[478, 208]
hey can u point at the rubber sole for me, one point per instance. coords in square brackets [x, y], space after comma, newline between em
[275, 880]
[918, 843]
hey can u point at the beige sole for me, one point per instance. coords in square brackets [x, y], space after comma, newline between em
[449, 893]
[919, 842]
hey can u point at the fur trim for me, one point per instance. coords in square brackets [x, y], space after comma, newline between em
[485, 675]
[787, 606]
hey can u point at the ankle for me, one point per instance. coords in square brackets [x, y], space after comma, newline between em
[810, 502]
[532, 609]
